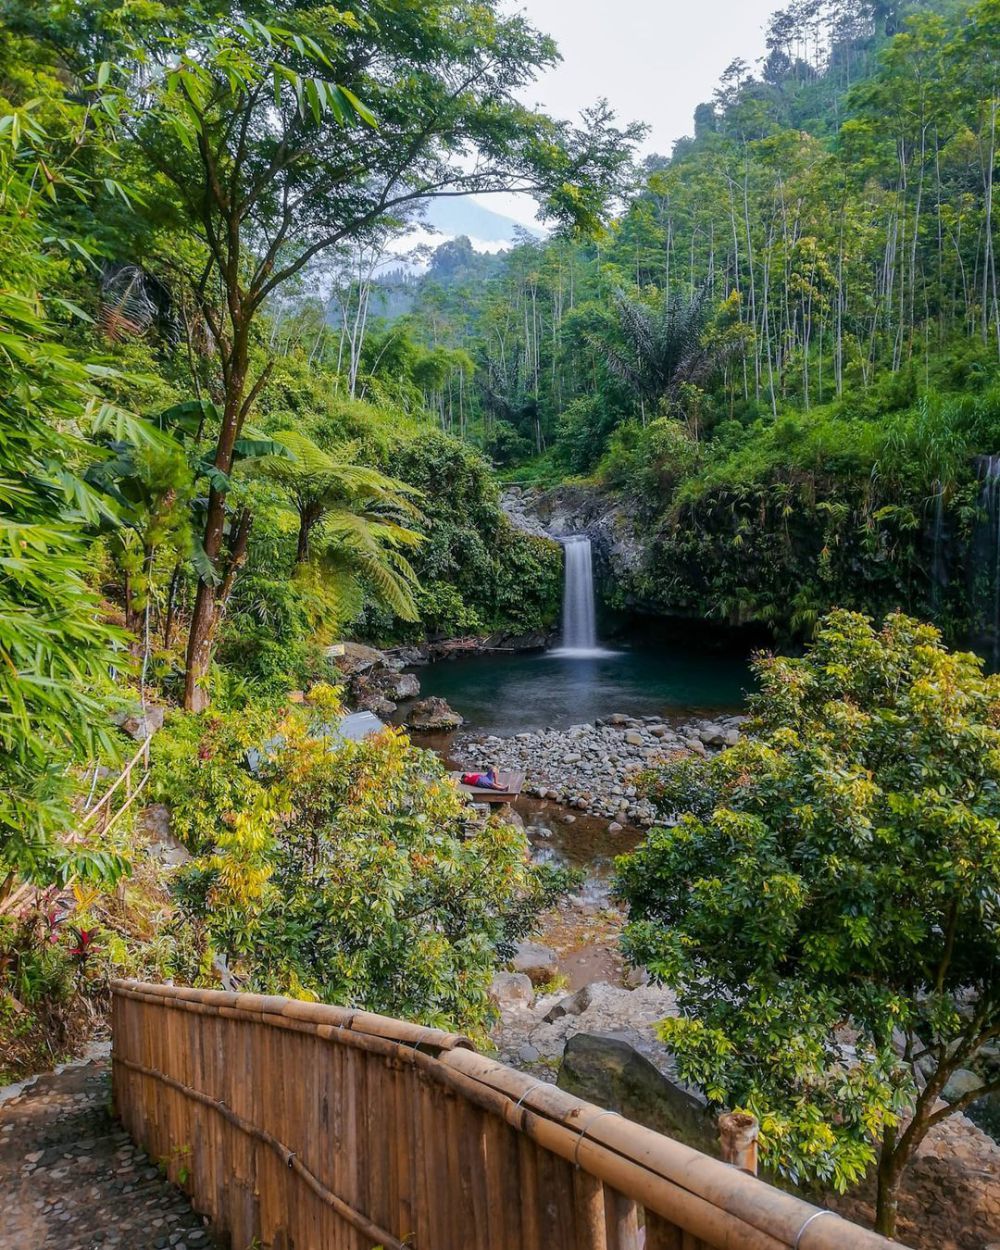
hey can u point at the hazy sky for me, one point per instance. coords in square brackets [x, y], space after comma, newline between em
[654, 60]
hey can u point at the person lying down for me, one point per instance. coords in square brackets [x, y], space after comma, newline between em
[490, 780]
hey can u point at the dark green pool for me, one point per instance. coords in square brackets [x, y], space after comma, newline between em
[509, 693]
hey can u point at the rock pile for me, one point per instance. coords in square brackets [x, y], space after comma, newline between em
[593, 768]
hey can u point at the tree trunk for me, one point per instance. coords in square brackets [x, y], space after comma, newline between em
[307, 520]
[890, 1171]
[208, 603]
[199, 649]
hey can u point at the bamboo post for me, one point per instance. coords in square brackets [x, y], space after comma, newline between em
[738, 1138]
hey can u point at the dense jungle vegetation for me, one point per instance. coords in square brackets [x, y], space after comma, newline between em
[784, 353]
[193, 509]
[232, 434]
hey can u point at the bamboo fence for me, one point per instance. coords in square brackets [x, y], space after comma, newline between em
[300, 1126]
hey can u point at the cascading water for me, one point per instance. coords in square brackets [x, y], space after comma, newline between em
[579, 623]
[985, 564]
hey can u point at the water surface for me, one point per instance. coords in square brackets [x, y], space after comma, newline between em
[516, 692]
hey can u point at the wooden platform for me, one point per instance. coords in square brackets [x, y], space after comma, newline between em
[512, 783]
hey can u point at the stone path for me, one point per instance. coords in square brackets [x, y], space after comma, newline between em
[71, 1177]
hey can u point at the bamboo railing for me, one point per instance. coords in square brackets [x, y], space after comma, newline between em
[299, 1126]
[96, 819]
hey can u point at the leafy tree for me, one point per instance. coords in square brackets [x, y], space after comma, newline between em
[826, 905]
[663, 350]
[272, 136]
[476, 572]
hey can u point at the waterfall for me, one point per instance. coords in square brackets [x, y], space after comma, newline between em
[579, 621]
[579, 625]
[985, 563]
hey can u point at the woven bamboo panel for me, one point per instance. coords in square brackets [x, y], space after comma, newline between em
[298, 1126]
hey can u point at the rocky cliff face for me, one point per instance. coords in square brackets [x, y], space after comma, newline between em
[571, 509]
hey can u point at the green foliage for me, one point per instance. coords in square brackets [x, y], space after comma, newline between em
[55, 652]
[477, 574]
[775, 521]
[347, 872]
[825, 905]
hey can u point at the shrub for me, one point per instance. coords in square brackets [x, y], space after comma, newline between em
[347, 872]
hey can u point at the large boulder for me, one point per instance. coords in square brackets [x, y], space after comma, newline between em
[433, 715]
[537, 962]
[357, 658]
[512, 989]
[400, 686]
[609, 1071]
[960, 1083]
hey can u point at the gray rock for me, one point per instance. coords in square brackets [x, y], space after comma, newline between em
[528, 1054]
[571, 1005]
[401, 686]
[377, 703]
[537, 962]
[960, 1083]
[139, 724]
[608, 1071]
[512, 989]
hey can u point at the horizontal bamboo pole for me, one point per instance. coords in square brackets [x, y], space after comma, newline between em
[715, 1204]
[280, 1011]
[753, 1202]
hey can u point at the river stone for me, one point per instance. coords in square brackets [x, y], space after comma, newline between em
[433, 714]
[608, 1071]
[960, 1083]
[512, 989]
[634, 739]
[537, 962]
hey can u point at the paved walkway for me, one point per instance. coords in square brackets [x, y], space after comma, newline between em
[70, 1177]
